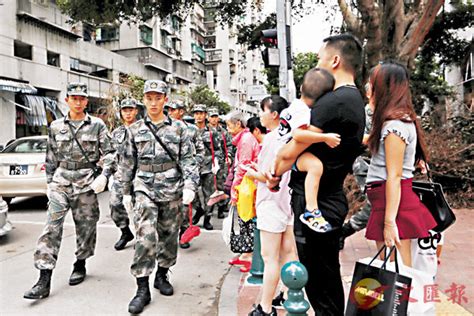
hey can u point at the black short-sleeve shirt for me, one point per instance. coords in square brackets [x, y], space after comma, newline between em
[340, 111]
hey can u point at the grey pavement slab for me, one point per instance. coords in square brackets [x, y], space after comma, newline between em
[197, 277]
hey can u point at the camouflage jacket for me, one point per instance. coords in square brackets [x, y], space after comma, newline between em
[205, 135]
[225, 141]
[196, 141]
[118, 133]
[65, 161]
[148, 166]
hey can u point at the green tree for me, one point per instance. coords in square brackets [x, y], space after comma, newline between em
[204, 95]
[109, 11]
[302, 62]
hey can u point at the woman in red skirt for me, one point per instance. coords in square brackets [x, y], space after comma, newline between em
[397, 144]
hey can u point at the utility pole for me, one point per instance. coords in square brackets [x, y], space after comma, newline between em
[286, 84]
[282, 47]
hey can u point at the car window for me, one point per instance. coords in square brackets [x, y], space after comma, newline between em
[27, 146]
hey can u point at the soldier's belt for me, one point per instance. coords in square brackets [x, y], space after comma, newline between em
[158, 168]
[76, 165]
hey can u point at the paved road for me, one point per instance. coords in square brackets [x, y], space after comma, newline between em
[197, 277]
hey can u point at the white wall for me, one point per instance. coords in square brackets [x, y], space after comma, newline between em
[7, 116]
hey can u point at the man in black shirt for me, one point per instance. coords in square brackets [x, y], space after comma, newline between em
[340, 111]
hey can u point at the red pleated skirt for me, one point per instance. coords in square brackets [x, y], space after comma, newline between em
[413, 218]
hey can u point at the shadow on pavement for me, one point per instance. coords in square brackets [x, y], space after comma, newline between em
[28, 203]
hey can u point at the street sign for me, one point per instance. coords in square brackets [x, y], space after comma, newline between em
[256, 92]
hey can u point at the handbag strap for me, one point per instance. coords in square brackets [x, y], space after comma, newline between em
[387, 257]
[232, 209]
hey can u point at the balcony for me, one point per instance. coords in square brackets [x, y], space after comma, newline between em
[214, 56]
[183, 70]
[231, 56]
[150, 57]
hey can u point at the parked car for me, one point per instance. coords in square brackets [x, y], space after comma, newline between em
[5, 225]
[22, 168]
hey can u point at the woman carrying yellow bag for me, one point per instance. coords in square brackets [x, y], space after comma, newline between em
[246, 191]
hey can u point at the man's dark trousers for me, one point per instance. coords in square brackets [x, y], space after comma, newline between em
[319, 253]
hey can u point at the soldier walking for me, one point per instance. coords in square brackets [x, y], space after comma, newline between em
[128, 114]
[75, 145]
[209, 167]
[159, 161]
[176, 112]
[225, 142]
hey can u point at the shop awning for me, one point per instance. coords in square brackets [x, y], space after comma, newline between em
[15, 86]
[37, 115]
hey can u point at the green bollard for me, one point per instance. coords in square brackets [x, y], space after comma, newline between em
[256, 271]
[295, 276]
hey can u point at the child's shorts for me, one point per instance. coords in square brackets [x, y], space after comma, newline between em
[272, 218]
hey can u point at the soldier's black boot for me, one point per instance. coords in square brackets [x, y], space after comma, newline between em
[207, 223]
[78, 273]
[346, 231]
[220, 212]
[197, 216]
[124, 239]
[42, 287]
[142, 298]
[161, 282]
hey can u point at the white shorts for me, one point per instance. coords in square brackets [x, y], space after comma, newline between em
[271, 218]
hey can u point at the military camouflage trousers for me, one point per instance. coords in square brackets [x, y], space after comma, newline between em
[156, 226]
[85, 212]
[117, 210]
[208, 187]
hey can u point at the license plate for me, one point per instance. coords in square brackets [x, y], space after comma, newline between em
[18, 170]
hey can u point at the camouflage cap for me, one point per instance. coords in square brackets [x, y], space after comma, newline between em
[175, 105]
[199, 108]
[77, 88]
[155, 86]
[128, 103]
[213, 111]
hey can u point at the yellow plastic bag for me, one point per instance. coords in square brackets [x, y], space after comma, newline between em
[246, 193]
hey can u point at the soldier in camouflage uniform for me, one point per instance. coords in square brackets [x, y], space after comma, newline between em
[73, 183]
[176, 112]
[159, 161]
[209, 168]
[225, 142]
[128, 114]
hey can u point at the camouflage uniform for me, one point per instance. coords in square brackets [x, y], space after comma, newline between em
[198, 153]
[69, 176]
[157, 185]
[117, 210]
[205, 170]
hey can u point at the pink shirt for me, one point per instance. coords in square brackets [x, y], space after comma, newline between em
[247, 151]
[270, 146]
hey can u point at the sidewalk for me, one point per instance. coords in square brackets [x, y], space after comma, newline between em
[457, 266]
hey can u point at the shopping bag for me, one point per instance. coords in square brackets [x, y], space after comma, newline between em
[375, 290]
[246, 193]
[227, 225]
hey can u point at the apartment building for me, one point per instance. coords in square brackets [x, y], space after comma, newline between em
[40, 53]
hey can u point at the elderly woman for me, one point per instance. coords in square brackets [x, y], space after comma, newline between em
[247, 149]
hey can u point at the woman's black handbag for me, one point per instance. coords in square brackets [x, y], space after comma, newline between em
[243, 242]
[432, 196]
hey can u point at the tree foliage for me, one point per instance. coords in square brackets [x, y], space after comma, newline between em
[135, 11]
[250, 34]
[204, 95]
[302, 62]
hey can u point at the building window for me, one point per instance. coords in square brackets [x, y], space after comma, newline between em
[146, 34]
[23, 50]
[53, 59]
[107, 33]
